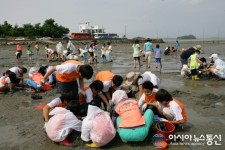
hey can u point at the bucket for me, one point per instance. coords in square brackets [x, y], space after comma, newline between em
[46, 87]
[169, 127]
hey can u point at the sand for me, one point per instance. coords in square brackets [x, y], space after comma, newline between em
[21, 127]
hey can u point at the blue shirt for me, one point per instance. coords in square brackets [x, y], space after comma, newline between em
[157, 53]
[148, 46]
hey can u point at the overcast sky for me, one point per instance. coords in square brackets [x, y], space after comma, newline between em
[147, 18]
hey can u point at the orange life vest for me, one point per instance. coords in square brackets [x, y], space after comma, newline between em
[130, 114]
[69, 77]
[37, 77]
[104, 76]
[81, 96]
[4, 81]
[150, 98]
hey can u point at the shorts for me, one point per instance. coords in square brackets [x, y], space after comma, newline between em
[29, 55]
[193, 72]
[148, 55]
[91, 54]
[137, 58]
[68, 87]
[138, 133]
[18, 54]
[183, 61]
[158, 60]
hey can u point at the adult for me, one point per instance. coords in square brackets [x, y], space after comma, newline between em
[18, 71]
[59, 49]
[67, 74]
[134, 81]
[148, 52]
[131, 125]
[187, 53]
[218, 68]
[111, 83]
[19, 52]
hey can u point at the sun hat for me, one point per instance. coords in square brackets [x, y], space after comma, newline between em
[215, 56]
[130, 78]
[197, 47]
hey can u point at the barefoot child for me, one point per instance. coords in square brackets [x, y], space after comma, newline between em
[157, 57]
[29, 53]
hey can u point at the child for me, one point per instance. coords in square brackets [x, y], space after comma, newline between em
[136, 53]
[5, 81]
[91, 53]
[103, 55]
[97, 127]
[169, 107]
[92, 94]
[35, 81]
[194, 64]
[62, 122]
[19, 72]
[29, 53]
[108, 52]
[37, 48]
[61, 101]
[111, 83]
[19, 52]
[185, 71]
[158, 56]
[148, 95]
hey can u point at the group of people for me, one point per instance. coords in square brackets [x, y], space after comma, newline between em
[108, 105]
[196, 67]
[146, 53]
[88, 54]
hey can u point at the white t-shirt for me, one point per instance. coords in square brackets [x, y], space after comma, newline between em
[173, 109]
[66, 68]
[107, 85]
[15, 70]
[7, 79]
[142, 99]
[148, 76]
[54, 102]
[88, 95]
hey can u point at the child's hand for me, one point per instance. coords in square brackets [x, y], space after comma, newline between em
[143, 108]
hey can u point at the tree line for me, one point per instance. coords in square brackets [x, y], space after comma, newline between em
[49, 29]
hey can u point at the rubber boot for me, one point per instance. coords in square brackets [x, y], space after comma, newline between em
[193, 77]
[93, 145]
[196, 77]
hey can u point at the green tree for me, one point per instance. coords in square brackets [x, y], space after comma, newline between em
[6, 28]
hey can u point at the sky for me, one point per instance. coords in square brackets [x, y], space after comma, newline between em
[144, 18]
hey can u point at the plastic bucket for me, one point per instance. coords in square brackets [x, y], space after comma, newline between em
[47, 87]
[170, 130]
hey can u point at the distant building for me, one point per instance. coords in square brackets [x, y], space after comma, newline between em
[98, 32]
[87, 28]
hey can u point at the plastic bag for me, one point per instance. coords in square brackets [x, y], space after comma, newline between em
[97, 126]
[103, 130]
[61, 124]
